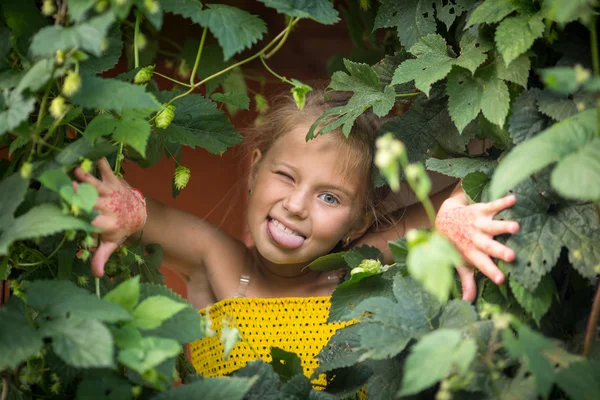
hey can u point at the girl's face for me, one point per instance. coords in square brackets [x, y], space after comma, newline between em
[300, 206]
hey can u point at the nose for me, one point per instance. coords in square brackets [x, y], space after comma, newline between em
[296, 203]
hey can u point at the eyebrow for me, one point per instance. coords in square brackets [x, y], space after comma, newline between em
[326, 186]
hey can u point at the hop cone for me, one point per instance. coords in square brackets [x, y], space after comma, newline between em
[165, 116]
[144, 74]
[181, 177]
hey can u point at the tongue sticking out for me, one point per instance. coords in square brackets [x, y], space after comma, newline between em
[284, 239]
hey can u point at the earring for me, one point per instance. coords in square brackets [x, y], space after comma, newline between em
[347, 241]
[249, 191]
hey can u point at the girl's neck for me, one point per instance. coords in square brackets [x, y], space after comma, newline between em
[289, 274]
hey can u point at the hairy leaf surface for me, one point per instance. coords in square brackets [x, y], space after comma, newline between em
[413, 19]
[321, 11]
[461, 167]
[112, 94]
[515, 35]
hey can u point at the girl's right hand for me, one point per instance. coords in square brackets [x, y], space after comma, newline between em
[122, 212]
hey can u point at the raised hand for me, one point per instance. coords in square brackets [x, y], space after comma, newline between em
[472, 229]
[122, 212]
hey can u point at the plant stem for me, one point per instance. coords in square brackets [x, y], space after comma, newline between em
[171, 79]
[136, 33]
[117, 169]
[282, 78]
[46, 259]
[408, 94]
[97, 280]
[4, 389]
[198, 56]
[596, 66]
[430, 210]
[592, 327]
[282, 41]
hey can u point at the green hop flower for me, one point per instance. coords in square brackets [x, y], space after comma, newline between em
[59, 57]
[101, 6]
[89, 242]
[48, 8]
[142, 42]
[57, 107]
[181, 177]
[370, 266]
[261, 103]
[136, 391]
[165, 116]
[84, 255]
[299, 93]
[151, 6]
[71, 84]
[26, 170]
[144, 74]
[82, 281]
[71, 234]
[86, 165]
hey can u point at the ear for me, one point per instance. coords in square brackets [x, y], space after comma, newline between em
[361, 226]
[254, 163]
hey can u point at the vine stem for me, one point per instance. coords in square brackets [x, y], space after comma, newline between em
[171, 79]
[136, 33]
[275, 74]
[408, 94]
[592, 327]
[198, 56]
[97, 280]
[430, 210]
[245, 61]
[596, 66]
[282, 41]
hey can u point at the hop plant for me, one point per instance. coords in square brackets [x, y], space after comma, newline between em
[26, 169]
[59, 57]
[101, 6]
[142, 42]
[82, 281]
[57, 107]
[261, 103]
[144, 74]
[151, 6]
[86, 165]
[181, 177]
[165, 116]
[71, 84]
[48, 8]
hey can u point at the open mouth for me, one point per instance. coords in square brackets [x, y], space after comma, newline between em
[283, 235]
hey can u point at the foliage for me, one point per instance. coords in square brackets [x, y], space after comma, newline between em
[517, 74]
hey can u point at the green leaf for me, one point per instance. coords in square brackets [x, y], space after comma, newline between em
[364, 82]
[81, 343]
[299, 387]
[210, 388]
[18, 338]
[42, 220]
[530, 345]
[239, 100]
[78, 7]
[516, 71]
[413, 18]
[515, 35]
[10, 79]
[542, 235]
[54, 179]
[234, 82]
[492, 11]
[577, 176]
[148, 354]
[461, 167]
[458, 314]
[198, 122]
[12, 193]
[191, 9]
[37, 76]
[560, 107]
[399, 249]
[448, 12]
[580, 380]
[536, 303]
[329, 262]
[14, 109]
[418, 307]
[127, 294]
[85, 197]
[564, 11]
[473, 184]
[267, 385]
[151, 312]
[112, 94]
[342, 349]
[131, 129]
[526, 121]
[83, 148]
[285, 364]
[321, 11]
[153, 14]
[563, 80]
[104, 386]
[386, 379]
[484, 91]
[433, 62]
[553, 144]
[436, 356]
[365, 252]
[432, 263]
[86, 36]
[24, 20]
[109, 57]
[344, 300]
[234, 29]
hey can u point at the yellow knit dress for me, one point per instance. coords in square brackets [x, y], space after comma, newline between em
[294, 324]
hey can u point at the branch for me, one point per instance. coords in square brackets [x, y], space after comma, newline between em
[592, 327]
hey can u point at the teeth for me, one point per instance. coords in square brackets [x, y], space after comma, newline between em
[284, 228]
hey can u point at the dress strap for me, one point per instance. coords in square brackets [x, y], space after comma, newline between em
[243, 286]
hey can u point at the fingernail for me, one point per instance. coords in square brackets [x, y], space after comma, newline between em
[499, 279]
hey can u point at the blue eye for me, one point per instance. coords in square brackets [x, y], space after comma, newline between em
[329, 198]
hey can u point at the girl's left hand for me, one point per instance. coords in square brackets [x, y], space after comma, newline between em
[471, 228]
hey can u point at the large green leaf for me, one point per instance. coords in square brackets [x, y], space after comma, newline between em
[542, 235]
[235, 29]
[131, 129]
[198, 122]
[468, 94]
[564, 11]
[492, 11]
[126, 294]
[237, 100]
[474, 185]
[104, 386]
[561, 106]
[19, 340]
[148, 353]
[515, 35]
[109, 57]
[448, 11]
[14, 109]
[517, 71]
[386, 379]
[267, 386]
[81, 343]
[210, 388]
[37, 76]
[112, 94]
[526, 121]
[342, 350]
[434, 357]
[24, 20]
[536, 303]
[364, 82]
[413, 19]
[152, 311]
[581, 380]
[577, 176]
[554, 144]
[285, 363]
[461, 167]
[87, 36]
[78, 7]
[434, 62]
[344, 300]
[65, 299]
[321, 11]
[458, 314]
[191, 9]
[12, 193]
[42, 220]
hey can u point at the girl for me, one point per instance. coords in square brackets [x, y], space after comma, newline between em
[305, 200]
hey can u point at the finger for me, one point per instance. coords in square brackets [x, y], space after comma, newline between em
[92, 180]
[484, 263]
[467, 280]
[495, 227]
[106, 171]
[75, 186]
[101, 256]
[493, 248]
[496, 206]
[105, 222]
